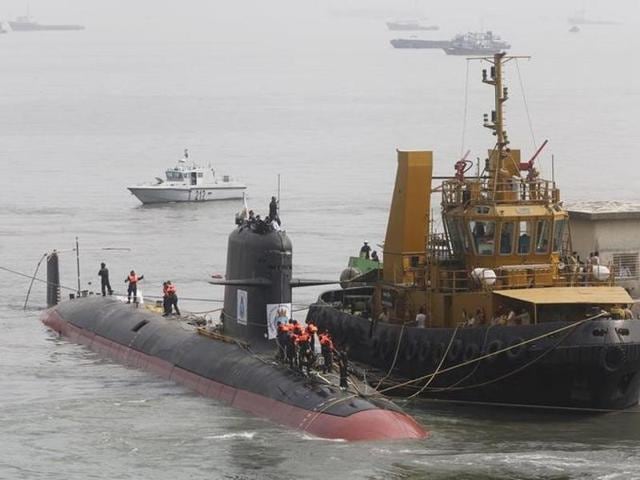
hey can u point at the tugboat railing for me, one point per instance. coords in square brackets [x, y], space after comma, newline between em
[519, 191]
[517, 276]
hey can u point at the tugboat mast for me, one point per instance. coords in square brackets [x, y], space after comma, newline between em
[496, 124]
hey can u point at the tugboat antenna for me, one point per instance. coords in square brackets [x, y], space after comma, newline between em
[495, 121]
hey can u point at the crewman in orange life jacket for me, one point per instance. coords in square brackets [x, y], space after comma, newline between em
[133, 279]
[170, 298]
[304, 351]
[326, 347]
[282, 339]
[312, 330]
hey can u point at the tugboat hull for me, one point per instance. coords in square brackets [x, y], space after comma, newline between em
[226, 371]
[594, 366]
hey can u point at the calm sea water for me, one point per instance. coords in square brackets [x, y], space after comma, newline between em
[311, 91]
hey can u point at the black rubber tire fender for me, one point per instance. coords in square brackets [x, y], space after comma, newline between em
[612, 358]
[339, 328]
[377, 346]
[411, 349]
[492, 348]
[455, 350]
[437, 353]
[390, 346]
[471, 351]
[355, 335]
[424, 350]
[518, 352]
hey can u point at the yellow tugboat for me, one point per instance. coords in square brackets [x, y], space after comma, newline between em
[496, 308]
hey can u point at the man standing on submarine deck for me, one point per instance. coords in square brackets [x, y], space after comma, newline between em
[273, 210]
[133, 279]
[105, 286]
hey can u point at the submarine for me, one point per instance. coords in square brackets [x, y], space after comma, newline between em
[236, 363]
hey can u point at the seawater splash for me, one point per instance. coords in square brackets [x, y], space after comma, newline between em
[312, 438]
[227, 436]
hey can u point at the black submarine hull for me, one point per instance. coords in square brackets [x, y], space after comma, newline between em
[227, 371]
[594, 366]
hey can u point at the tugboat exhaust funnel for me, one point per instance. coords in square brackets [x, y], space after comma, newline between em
[405, 242]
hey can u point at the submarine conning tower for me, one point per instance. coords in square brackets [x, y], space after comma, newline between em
[258, 278]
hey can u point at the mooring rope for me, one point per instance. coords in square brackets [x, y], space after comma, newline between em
[488, 355]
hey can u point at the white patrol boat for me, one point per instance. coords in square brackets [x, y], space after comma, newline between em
[188, 182]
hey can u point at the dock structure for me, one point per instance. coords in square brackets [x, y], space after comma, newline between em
[611, 229]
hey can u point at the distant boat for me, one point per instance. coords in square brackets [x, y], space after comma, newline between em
[27, 23]
[476, 43]
[4, 28]
[574, 29]
[419, 43]
[410, 25]
[188, 182]
[471, 43]
[580, 18]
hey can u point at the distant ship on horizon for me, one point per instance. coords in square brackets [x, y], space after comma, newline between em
[26, 23]
[470, 43]
[580, 18]
[410, 25]
[476, 43]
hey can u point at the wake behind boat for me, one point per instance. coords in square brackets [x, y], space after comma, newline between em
[188, 182]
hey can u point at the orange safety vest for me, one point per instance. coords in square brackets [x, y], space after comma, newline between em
[303, 338]
[283, 327]
[133, 278]
[326, 341]
[311, 329]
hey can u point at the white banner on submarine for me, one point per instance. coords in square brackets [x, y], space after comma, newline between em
[276, 312]
[241, 306]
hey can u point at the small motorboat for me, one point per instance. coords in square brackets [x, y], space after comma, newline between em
[188, 182]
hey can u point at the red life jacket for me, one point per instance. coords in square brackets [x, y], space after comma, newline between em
[283, 327]
[311, 329]
[325, 340]
[133, 279]
[302, 338]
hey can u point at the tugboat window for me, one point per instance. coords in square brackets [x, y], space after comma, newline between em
[558, 234]
[463, 235]
[524, 237]
[506, 238]
[454, 236]
[483, 234]
[542, 236]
